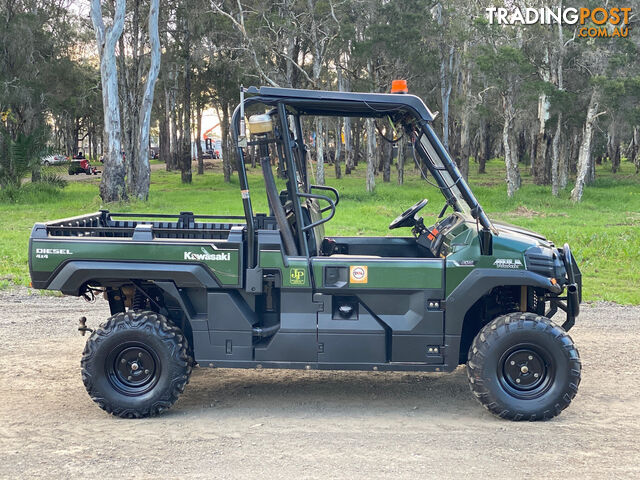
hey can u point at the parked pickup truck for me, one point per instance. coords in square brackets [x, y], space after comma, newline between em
[272, 290]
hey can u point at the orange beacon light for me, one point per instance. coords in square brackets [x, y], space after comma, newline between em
[399, 86]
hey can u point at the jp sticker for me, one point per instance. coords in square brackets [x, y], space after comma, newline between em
[358, 274]
[297, 277]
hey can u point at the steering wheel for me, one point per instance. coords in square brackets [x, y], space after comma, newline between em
[406, 219]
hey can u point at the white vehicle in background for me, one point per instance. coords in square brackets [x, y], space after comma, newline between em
[53, 160]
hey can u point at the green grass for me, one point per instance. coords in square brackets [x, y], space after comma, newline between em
[603, 230]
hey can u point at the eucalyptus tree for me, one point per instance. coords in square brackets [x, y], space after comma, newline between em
[594, 64]
[139, 60]
[510, 74]
[112, 185]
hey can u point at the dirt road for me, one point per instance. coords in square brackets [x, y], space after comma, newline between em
[283, 424]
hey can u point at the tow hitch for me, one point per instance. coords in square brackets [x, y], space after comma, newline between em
[83, 326]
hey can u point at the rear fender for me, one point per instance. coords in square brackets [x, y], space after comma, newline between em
[73, 275]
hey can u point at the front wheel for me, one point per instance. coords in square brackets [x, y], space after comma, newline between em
[524, 367]
[136, 364]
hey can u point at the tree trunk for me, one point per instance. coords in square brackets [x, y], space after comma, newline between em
[559, 162]
[126, 114]
[635, 152]
[539, 160]
[400, 163]
[584, 155]
[445, 95]
[563, 164]
[555, 158]
[338, 148]
[36, 173]
[94, 142]
[164, 124]
[348, 146]
[142, 167]
[371, 154]
[166, 117]
[68, 135]
[539, 163]
[387, 153]
[465, 144]
[176, 122]
[357, 135]
[446, 74]
[199, 136]
[227, 148]
[485, 146]
[185, 164]
[112, 185]
[320, 150]
[511, 162]
[613, 145]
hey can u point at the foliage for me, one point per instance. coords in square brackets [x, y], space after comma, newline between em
[30, 194]
[53, 179]
[19, 156]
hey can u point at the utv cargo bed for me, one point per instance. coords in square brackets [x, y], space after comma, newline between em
[107, 224]
[105, 245]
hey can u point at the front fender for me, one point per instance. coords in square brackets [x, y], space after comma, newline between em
[480, 282]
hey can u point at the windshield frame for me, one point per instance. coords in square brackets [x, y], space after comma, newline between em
[447, 175]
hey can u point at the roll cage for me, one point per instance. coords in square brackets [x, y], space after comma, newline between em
[289, 105]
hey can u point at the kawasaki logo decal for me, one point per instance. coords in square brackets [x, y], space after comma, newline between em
[206, 256]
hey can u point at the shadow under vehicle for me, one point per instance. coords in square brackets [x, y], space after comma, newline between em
[272, 290]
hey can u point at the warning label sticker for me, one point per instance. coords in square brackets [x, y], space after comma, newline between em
[358, 274]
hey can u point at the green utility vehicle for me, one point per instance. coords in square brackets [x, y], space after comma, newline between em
[272, 290]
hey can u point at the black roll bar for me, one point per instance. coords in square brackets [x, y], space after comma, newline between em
[244, 184]
[292, 178]
[327, 189]
[332, 207]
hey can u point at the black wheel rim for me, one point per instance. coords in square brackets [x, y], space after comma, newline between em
[133, 368]
[526, 371]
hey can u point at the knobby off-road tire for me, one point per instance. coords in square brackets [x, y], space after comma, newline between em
[523, 367]
[136, 364]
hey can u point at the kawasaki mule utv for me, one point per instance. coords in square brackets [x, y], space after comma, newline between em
[271, 290]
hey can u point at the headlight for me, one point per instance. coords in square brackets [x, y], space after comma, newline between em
[546, 262]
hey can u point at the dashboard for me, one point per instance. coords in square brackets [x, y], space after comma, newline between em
[437, 239]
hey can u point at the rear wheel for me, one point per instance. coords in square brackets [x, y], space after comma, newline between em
[524, 367]
[136, 364]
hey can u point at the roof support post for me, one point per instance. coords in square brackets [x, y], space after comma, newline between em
[292, 178]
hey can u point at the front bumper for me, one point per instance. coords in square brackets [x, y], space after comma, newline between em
[573, 289]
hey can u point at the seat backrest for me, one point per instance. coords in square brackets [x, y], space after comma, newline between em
[310, 214]
[316, 234]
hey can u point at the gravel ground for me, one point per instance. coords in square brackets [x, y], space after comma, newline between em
[299, 424]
